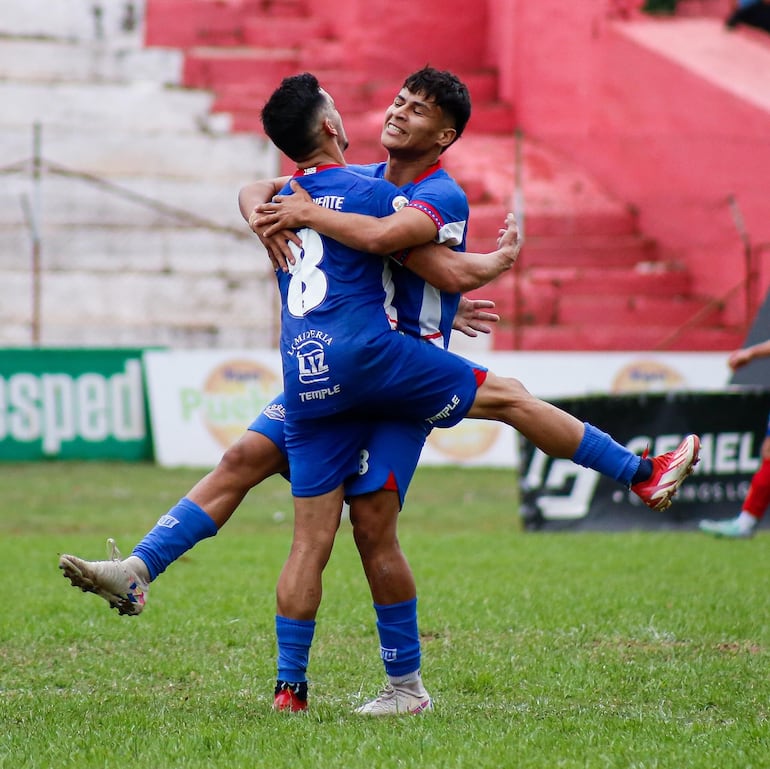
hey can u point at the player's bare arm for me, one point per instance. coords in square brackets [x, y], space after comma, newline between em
[404, 229]
[255, 193]
[443, 268]
[457, 271]
[745, 355]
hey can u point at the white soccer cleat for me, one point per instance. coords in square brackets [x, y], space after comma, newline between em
[401, 700]
[119, 585]
[731, 529]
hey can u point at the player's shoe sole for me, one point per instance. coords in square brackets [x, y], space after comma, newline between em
[111, 580]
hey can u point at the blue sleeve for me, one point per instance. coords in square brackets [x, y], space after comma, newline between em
[445, 202]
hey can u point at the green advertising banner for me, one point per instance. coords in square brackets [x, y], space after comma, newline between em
[60, 403]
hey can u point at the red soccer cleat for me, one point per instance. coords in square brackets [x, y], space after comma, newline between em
[288, 697]
[668, 473]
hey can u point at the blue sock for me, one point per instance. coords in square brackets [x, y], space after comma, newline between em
[182, 527]
[294, 638]
[600, 452]
[399, 637]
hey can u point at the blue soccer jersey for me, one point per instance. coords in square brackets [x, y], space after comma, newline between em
[337, 348]
[340, 358]
[416, 307]
[333, 299]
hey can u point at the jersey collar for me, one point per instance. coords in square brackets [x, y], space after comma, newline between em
[315, 169]
[428, 171]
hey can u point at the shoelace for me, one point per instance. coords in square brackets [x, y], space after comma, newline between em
[113, 554]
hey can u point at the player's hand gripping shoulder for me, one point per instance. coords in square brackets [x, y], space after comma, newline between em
[277, 245]
[380, 236]
[472, 316]
[285, 212]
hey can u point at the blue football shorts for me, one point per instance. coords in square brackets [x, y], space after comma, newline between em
[393, 376]
[376, 455]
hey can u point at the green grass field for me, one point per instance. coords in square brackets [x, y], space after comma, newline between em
[540, 650]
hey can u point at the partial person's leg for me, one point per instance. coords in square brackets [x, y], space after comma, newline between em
[754, 505]
[211, 502]
[377, 493]
[394, 593]
[298, 593]
[559, 434]
[124, 583]
[322, 453]
[374, 519]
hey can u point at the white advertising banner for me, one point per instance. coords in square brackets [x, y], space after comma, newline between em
[569, 374]
[201, 401]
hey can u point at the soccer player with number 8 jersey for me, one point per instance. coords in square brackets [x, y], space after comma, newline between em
[359, 372]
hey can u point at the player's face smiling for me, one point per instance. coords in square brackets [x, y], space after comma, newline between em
[413, 123]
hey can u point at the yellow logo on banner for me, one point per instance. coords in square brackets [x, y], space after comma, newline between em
[233, 395]
[468, 440]
[647, 376]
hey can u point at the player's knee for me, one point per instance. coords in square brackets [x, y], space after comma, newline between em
[373, 536]
[365, 537]
[498, 395]
[250, 460]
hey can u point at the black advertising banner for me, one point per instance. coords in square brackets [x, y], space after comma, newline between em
[557, 494]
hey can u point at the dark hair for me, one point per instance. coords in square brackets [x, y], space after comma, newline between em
[447, 90]
[289, 116]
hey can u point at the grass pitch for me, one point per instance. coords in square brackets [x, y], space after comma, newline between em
[540, 650]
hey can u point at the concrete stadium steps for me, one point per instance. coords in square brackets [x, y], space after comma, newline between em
[584, 264]
[245, 95]
[74, 20]
[141, 239]
[127, 249]
[275, 30]
[595, 308]
[140, 106]
[64, 61]
[241, 50]
[635, 310]
[663, 281]
[571, 251]
[187, 23]
[140, 309]
[243, 78]
[181, 285]
[527, 302]
[553, 224]
[124, 153]
[261, 68]
[685, 141]
[145, 203]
